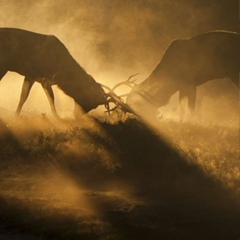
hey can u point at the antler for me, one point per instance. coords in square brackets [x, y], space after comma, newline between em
[113, 97]
[130, 83]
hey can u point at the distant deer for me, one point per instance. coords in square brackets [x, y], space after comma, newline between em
[43, 58]
[186, 64]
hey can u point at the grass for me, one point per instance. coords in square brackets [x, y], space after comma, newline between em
[216, 149]
[120, 180]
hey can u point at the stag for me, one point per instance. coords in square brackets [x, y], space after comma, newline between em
[186, 64]
[45, 59]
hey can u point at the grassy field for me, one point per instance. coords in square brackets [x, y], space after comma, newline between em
[106, 179]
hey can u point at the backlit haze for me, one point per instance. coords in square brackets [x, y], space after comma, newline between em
[114, 177]
[110, 39]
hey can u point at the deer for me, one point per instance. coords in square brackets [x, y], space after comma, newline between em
[186, 64]
[45, 59]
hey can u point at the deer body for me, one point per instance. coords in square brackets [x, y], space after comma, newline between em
[45, 59]
[188, 63]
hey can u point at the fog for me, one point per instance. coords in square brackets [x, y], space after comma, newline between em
[110, 39]
[112, 177]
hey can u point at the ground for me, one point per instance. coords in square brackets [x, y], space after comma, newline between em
[99, 178]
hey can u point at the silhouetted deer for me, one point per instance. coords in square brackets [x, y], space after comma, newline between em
[186, 64]
[43, 58]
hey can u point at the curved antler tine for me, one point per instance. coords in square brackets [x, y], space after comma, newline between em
[117, 99]
[107, 107]
[111, 110]
[106, 87]
[119, 102]
[124, 95]
[128, 80]
[128, 83]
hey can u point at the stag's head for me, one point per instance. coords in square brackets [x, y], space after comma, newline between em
[85, 91]
[146, 98]
[91, 96]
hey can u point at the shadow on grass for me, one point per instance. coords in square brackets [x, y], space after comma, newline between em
[177, 200]
[184, 202]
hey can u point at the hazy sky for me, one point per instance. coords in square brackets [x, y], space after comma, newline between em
[119, 35]
[113, 39]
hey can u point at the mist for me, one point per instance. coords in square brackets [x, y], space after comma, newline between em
[116, 177]
[113, 39]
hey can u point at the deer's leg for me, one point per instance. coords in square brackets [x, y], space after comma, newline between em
[49, 93]
[182, 104]
[27, 85]
[187, 99]
[192, 94]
